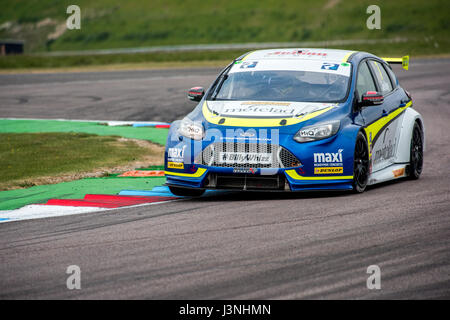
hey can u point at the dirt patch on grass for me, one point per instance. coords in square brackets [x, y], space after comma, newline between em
[152, 155]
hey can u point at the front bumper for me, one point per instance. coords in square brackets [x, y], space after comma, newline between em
[289, 179]
[319, 165]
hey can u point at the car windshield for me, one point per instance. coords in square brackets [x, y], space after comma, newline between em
[303, 86]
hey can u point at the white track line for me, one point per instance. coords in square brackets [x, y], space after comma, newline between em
[36, 211]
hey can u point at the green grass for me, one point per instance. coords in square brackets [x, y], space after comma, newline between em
[25, 157]
[135, 23]
[14, 199]
[155, 135]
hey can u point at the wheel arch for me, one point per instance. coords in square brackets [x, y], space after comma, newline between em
[411, 117]
[351, 132]
[419, 120]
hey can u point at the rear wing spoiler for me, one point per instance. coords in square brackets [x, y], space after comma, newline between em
[404, 61]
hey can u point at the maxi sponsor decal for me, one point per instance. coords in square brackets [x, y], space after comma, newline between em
[175, 158]
[176, 154]
[328, 162]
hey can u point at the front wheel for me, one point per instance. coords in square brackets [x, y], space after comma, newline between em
[360, 164]
[416, 158]
[186, 192]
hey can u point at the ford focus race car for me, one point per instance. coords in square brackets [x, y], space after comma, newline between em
[297, 120]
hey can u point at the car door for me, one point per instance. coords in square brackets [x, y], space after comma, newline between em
[366, 82]
[381, 121]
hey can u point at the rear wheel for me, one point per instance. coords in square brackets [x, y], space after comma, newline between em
[416, 158]
[185, 192]
[360, 164]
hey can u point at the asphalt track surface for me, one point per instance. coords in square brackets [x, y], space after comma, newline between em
[238, 246]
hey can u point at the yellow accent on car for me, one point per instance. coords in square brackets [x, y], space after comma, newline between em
[247, 55]
[373, 129]
[404, 61]
[329, 170]
[348, 56]
[175, 165]
[257, 122]
[294, 175]
[197, 174]
[379, 71]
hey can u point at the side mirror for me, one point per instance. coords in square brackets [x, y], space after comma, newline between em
[372, 98]
[196, 93]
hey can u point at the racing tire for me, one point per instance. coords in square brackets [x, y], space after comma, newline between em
[360, 164]
[186, 192]
[416, 156]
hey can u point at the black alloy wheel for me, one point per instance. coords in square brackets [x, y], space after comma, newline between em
[416, 158]
[360, 164]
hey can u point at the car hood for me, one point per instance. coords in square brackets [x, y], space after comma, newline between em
[288, 117]
[265, 109]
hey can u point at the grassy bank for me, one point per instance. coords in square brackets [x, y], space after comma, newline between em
[28, 159]
[121, 24]
[109, 24]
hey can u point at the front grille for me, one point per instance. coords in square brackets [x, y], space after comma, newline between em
[246, 182]
[281, 158]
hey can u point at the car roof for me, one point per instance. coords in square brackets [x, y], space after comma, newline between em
[334, 55]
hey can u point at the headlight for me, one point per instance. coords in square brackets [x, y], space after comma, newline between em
[191, 129]
[317, 132]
